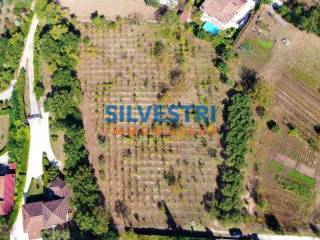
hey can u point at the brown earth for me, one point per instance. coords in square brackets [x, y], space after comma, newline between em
[109, 8]
[118, 68]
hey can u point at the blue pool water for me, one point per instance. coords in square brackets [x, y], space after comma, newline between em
[210, 28]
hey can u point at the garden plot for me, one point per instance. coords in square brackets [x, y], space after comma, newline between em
[146, 178]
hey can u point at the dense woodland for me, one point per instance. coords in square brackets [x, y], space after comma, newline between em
[303, 17]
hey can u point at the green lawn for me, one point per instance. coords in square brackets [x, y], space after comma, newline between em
[275, 166]
[301, 185]
[35, 192]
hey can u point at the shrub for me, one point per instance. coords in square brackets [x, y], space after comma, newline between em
[158, 48]
[154, 3]
[273, 126]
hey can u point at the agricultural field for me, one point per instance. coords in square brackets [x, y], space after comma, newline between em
[4, 129]
[285, 58]
[148, 179]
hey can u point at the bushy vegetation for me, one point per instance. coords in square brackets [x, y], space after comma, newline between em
[239, 126]
[297, 183]
[100, 22]
[59, 46]
[50, 172]
[303, 17]
[18, 142]
[11, 44]
[154, 3]
[57, 233]
[275, 166]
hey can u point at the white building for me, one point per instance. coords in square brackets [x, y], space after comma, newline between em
[226, 13]
[170, 3]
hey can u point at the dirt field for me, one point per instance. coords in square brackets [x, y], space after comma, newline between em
[133, 170]
[4, 128]
[109, 8]
[292, 71]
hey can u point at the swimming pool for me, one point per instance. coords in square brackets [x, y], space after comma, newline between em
[210, 28]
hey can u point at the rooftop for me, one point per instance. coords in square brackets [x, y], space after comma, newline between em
[38, 216]
[223, 10]
[7, 188]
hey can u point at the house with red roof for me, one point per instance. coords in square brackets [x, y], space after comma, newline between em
[41, 215]
[7, 188]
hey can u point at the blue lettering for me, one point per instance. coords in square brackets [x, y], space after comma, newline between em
[158, 113]
[187, 109]
[111, 110]
[172, 111]
[201, 113]
[144, 117]
[130, 118]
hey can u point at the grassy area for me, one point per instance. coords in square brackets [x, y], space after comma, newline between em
[264, 44]
[57, 141]
[36, 187]
[256, 51]
[302, 74]
[35, 191]
[297, 183]
[276, 167]
[298, 177]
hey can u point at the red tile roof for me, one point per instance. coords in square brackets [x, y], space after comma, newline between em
[59, 188]
[38, 216]
[223, 10]
[7, 188]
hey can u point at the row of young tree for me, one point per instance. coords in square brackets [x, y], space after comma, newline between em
[59, 46]
[237, 132]
[302, 16]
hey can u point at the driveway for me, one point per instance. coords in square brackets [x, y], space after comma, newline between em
[39, 130]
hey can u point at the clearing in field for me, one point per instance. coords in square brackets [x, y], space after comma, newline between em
[148, 179]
